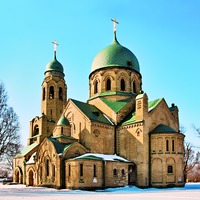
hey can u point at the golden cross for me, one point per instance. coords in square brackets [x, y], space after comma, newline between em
[55, 44]
[114, 23]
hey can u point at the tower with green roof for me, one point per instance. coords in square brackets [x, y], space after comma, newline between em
[54, 90]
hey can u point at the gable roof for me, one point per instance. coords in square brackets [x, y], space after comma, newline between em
[116, 106]
[131, 118]
[153, 104]
[60, 147]
[93, 113]
[26, 150]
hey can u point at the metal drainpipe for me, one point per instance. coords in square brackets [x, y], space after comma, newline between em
[104, 174]
[115, 139]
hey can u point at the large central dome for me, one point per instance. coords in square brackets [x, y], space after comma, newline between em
[115, 55]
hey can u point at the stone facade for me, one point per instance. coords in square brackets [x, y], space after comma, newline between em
[116, 138]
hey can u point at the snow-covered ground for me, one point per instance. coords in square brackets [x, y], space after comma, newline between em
[16, 192]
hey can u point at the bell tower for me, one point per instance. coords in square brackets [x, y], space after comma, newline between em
[54, 90]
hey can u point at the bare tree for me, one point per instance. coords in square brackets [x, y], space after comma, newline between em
[190, 159]
[197, 130]
[9, 128]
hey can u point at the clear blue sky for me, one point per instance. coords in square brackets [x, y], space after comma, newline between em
[163, 34]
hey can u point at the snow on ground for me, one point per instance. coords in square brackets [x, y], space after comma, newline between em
[17, 192]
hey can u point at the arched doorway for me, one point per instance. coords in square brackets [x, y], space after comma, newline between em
[132, 175]
[17, 176]
[30, 178]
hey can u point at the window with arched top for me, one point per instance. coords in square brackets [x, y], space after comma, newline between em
[96, 87]
[108, 84]
[43, 94]
[69, 170]
[167, 145]
[114, 172]
[53, 171]
[81, 169]
[134, 87]
[169, 169]
[94, 170]
[173, 145]
[36, 130]
[47, 167]
[60, 94]
[51, 92]
[122, 85]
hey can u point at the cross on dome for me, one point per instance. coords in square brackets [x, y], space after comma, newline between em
[55, 45]
[114, 24]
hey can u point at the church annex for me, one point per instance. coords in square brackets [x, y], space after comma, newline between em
[117, 138]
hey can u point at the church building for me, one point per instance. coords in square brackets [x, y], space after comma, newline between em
[117, 138]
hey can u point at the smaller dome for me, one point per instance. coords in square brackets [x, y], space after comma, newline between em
[63, 121]
[54, 65]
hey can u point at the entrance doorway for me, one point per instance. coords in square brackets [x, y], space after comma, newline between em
[30, 176]
[17, 176]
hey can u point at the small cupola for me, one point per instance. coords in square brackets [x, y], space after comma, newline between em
[54, 65]
[62, 127]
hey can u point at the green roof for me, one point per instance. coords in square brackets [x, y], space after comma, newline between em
[60, 147]
[26, 150]
[131, 118]
[153, 104]
[63, 136]
[116, 106]
[54, 65]
[115, 55]
[63, 121]
[93, 113]
[110, 93]
[163, 129]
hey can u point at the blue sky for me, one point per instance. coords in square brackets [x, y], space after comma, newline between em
[163, 34]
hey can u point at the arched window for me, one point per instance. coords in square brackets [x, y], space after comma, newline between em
[108, 84]
[123, 172]
[167, 145]
[96, 87]
[114, 172]
[81, 169]
[173, 145]
[53, 171]
[51, 92]
[36, 130]
[169, 169]
[73, 129]
[69, 170]
[60, 93]
[95, 171]
[134, 87]
[122, 85]
[40, 172]
[47, 167]
[61, 130]
[43, 94]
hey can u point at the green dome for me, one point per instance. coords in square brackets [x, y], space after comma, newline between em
[63, 121]
[115, 55]
[54, 65]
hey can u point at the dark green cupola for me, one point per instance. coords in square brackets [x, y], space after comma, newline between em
[54, 65]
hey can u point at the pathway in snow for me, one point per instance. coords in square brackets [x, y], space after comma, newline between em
[19, 192]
